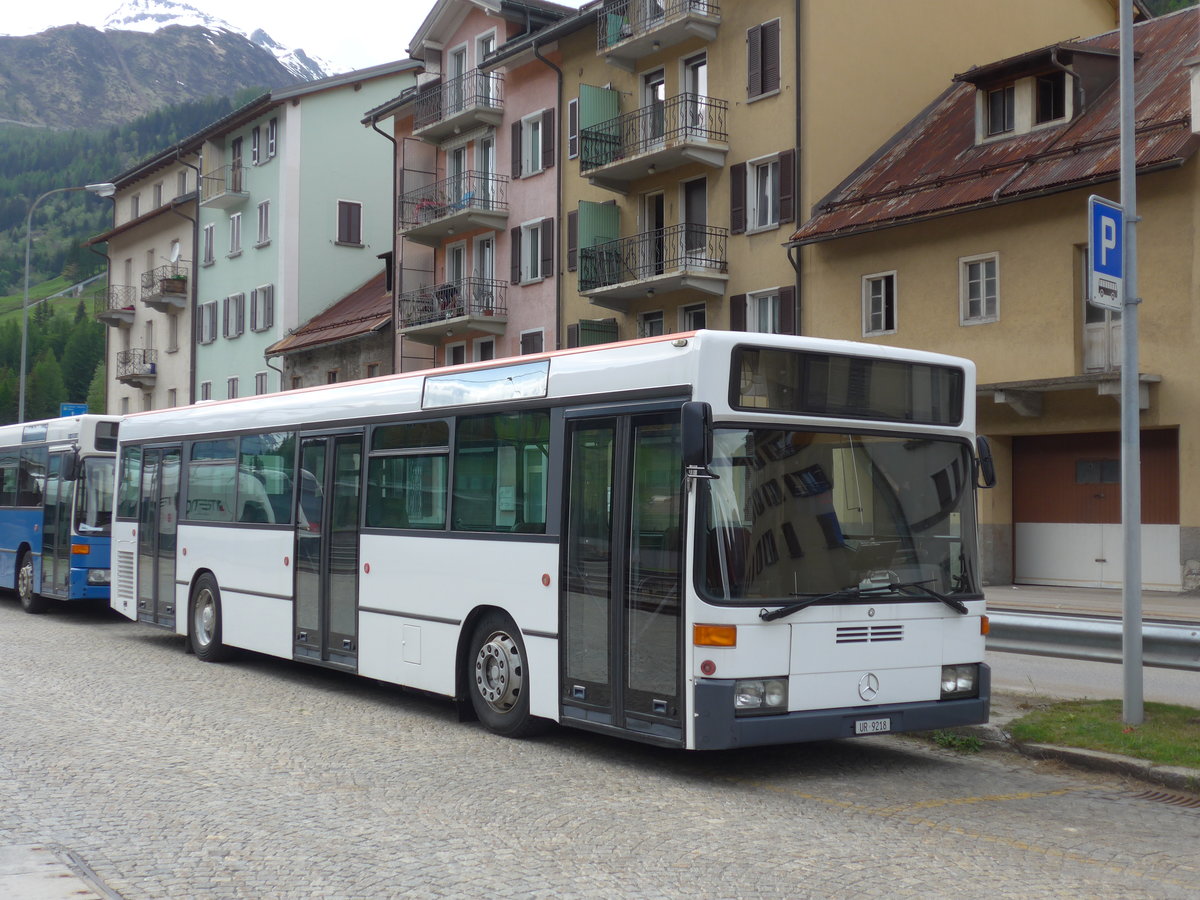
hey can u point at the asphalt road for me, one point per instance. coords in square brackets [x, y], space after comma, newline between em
[259, 778]
[1072, 679]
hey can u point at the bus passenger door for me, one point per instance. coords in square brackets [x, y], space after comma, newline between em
[56, 530]
[158, 520]
[622, 588]
[327, 521]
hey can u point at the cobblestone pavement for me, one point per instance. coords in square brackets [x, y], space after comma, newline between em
[260, 778]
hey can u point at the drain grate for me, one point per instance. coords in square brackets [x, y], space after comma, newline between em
[1170, 799]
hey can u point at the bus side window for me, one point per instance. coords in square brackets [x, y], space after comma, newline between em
[32, 476]
[9, 467]
[406, 476]
[500, 472]
[130, 482]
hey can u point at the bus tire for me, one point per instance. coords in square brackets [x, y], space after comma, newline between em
[498, 677]
[204, 621]
[31, 602]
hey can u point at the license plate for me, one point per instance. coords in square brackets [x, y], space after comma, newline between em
[872, 726]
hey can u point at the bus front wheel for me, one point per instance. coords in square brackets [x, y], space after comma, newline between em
[31, 602]
[498, 677]
[205, 621]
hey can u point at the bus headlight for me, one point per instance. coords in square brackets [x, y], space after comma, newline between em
[960, 681]
[759, 695]
[98, 576]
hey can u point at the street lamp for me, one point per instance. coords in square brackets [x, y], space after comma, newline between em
[105, 189]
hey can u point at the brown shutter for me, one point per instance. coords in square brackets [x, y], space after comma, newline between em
[787, 190]
[548, 141]
[572, 240]
[754, 61]
[737, 312]
[515, 149]
[515, 240]
[770, 57]
[548, 247]
[787, 311]
[572, 336]
[737, 198]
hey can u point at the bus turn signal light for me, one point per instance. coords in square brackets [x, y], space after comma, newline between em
[714, 635]
[80, 549]
[985, 626]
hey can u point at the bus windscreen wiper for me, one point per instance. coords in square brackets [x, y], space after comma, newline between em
[908, 588]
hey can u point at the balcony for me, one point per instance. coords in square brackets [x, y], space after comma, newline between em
[224, 188]
[137, 368]
[458, 104]
[115, 305]
[166, 288]
[686, 128]
[453, 205]
[434, 312]
[681, 257]
[629, 29]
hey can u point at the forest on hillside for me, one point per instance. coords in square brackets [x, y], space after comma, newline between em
[66, 363]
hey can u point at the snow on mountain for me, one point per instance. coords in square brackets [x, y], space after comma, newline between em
[152, 15]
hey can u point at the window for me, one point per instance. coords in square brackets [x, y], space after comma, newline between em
[979, 288]
[763, 313]
[172, 402]
[272, 137]
[455, 354]
[231, 388]
[694, 317]
[158, 195]
[349, 224]
[761, 193]
[331, 376]
[172, 334]
[235, 234]
[762, 60]
[764, 194]
[266, 470]
[255, 137]
[531, 145]
[573, 128]
[207, 332]
[485, 349]
[181, 185]
[406, 476]
[264, 224]
[135, 206]
[210, 235]
[260, 383]
[297, 382]
[1001, 110]
[500, 472]
[532, 342]
[1097, 471]
[879, 303]
[129, 484]
[234, 318]
[650, 324]
[147, 402]
[212, 481]
[206, 390]
[373, 370]
[1051, 97]
[262, 308]
[532, 251]
[124, 406]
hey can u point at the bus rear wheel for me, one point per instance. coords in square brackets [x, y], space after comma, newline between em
[498, 677]
[31, 602]
[204, 621]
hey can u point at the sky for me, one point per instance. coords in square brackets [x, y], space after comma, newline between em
[364, 32]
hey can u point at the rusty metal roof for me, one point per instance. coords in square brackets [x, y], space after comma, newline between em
[364, 311]
[935, 168]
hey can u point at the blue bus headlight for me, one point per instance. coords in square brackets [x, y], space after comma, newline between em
[960, 681]
[760, 695]
[98, 576]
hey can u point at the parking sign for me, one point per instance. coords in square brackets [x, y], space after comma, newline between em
[1106, 253]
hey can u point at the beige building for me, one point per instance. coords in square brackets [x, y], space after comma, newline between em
[967, 233]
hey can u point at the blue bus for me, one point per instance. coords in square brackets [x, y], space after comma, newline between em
[56, 503]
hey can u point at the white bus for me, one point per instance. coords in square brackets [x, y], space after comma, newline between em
[702, 540]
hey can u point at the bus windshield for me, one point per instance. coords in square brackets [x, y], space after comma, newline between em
[94, 496]
[802, 513]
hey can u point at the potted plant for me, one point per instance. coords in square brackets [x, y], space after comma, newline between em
[174, 284]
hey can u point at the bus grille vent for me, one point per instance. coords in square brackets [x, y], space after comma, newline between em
[863, 634]
[124, 580]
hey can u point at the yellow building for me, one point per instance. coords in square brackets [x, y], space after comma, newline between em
[967, 233]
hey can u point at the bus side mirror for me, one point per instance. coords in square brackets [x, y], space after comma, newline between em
[697, 439]
[70, 467]
[985, 466]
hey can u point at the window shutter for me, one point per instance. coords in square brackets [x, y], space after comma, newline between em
[787, 190]
[754, 85]
[737, 198]
[572, 336]
[548, 247]
[548, 141]
[572, 129]
[787, 311]
[516, 149]
[515, 240]
[770, 57]
[255, 323]
[737, 312]
[572, 240]
[241, 313]
[268, 319]
[225, 317]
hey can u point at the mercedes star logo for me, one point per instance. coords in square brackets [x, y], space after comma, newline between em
[868, 686]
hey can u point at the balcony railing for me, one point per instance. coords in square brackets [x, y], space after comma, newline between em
[680, 256]
[165, 288]
[471, 297]
[681, 120]
[138, 368]
[471, 199]
[223, 187]
[115, 305]
[637, 26]
[475, 95]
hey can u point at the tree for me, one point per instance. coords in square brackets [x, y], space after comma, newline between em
[97, 395]
[45, 390]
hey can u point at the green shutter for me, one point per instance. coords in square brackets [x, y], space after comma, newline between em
[599, 223]
[599, 130]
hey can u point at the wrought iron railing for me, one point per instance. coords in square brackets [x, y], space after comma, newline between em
[684, 117]
[621, 20]
[471, 190]
[451, 299]
[225, 180]
[475, 89]
[114, 297]
[652, 253]
[137, 362]
[169, 279]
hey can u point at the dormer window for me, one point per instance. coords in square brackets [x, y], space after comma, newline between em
[1001, 110]
[1051, 98]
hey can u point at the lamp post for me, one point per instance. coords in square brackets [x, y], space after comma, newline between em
[104, 189]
